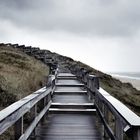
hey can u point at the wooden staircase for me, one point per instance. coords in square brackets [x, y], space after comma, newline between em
[71, 115]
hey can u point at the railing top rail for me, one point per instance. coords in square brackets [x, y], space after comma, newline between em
[124, 111]
[13, 113]
[17, 105]
[91, 76]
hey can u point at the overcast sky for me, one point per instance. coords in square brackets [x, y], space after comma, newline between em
[102, 33]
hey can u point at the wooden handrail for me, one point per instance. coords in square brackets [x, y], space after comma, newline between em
[126, 121]
[17, 105]
[130, 117]
[13, 115]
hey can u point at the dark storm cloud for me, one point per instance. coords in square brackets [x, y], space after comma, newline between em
[92, 17]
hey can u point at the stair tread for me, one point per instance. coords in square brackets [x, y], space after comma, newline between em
[58, 109]
[86, 104]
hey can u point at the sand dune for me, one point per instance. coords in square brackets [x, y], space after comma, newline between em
[134, 82]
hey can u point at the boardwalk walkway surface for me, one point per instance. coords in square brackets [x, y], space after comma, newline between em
[71, 115]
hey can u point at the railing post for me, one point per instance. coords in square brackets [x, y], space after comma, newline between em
[53, 84]
[88, 86]
[33, 115]
[106, 116]
[84, 76]
[43, 104]
[118, 129]
[81, 74]
[136, 134]
[18, 128]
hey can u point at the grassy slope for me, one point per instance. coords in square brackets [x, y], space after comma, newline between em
[20, 75]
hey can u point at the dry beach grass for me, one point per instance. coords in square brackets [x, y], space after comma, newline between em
[20, 75]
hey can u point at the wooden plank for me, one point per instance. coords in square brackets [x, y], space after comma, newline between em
[69, 92]
[69, 85]
[72, 110]
[67, 78]
[67, 137]
[69, 88]
[71, 98]
[65, 75]
[73, 105]
[69, 126]
[68, 81]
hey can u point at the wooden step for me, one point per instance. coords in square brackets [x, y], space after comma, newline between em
[70, 92]
[69, 126]
[65, 75]
[60, 110]
[69, 85]
[66, 78]
[79, 104]
[73, 105]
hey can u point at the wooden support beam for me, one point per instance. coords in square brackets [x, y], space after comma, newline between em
[18, 128]
[136, 133]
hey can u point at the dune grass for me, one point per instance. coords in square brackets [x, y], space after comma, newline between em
[20, 75]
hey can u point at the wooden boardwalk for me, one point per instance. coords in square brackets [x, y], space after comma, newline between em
[63, 111]
[65, 104]
[71, 115]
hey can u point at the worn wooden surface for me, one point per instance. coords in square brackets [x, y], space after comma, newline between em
[73, 122]
[69, 126]
[78, 95]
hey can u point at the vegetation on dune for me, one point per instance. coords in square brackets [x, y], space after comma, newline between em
[20, 75]
[124, 92]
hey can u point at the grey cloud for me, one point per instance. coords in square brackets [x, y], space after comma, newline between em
[92, 17]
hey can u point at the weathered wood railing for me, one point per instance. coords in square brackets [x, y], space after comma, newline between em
[118, 121]
[36, 104]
